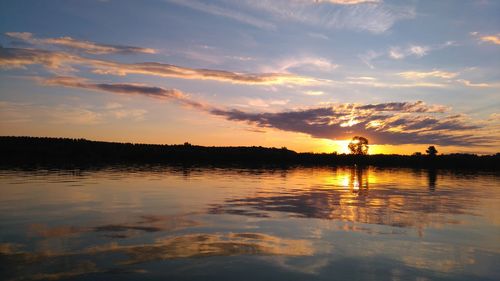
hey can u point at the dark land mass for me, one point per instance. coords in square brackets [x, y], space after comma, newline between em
[34, 151]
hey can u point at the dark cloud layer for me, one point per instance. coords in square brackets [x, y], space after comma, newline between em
[125, 88]
[383, 123]
[386, 123]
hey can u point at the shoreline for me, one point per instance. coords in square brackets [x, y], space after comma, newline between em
[41, 151]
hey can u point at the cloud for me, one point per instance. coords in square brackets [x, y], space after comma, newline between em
[302, 63]
[373, 82]
[375, 17]
[494, 117]
[266, 103]
[65, 114]
[227, 13]
[20, 58]
[419, 51]
[362, 15]
[420, 75]
[64, 62]
[318, 35]
[471, 84]
[124, 88]
[13, 113]
[427, 74]
[402, 52]
[314, 93]
[398, 53]
[368, 57]
[386, 123]
[134, 114]
[85, 46]
[493, 38]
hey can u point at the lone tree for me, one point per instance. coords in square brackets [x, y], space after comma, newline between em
[358, 146]
[432, 151]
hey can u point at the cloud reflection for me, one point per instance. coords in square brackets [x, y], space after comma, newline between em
[147, 223]
[173, 247]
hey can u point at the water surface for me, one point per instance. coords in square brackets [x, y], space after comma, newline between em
[175, 223]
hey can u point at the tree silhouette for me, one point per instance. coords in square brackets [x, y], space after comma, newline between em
[432, 151]
[358, 146]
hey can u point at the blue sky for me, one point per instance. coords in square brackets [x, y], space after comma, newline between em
[298, 73]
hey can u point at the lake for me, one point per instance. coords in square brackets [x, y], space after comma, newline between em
[208, 223]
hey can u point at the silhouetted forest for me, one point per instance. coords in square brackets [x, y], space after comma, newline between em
[64, 151]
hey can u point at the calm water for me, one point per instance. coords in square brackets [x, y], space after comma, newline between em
[170, 223]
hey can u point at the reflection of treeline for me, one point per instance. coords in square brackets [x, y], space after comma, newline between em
[34, 150]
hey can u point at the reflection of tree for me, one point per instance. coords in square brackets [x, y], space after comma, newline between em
[358, 180]
[432, 178]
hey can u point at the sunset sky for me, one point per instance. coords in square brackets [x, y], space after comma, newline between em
[305, 74]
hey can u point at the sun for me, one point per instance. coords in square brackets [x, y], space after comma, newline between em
[339, 146]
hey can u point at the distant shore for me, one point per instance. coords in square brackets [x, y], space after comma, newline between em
[22, 151]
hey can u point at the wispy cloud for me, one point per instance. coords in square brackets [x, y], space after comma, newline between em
[472, 84]
[369, 56]
[64, 62]
[373, 82]
[82, 45]
[491, 38]
[362, 15]
[318, 35]
[314, 93]
[402, 52]
[372, 16]
[426, 74]
[306, 63]
[413, 50]
[227, 13]
[257, 102]
[494, 117]
[445, 75]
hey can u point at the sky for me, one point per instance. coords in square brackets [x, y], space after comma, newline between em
[308, 75]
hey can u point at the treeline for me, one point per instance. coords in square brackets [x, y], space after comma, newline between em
[64, 151]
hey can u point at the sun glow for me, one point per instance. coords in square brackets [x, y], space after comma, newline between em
[339, 146]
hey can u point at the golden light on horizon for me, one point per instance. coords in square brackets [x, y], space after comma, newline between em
[341, 147]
